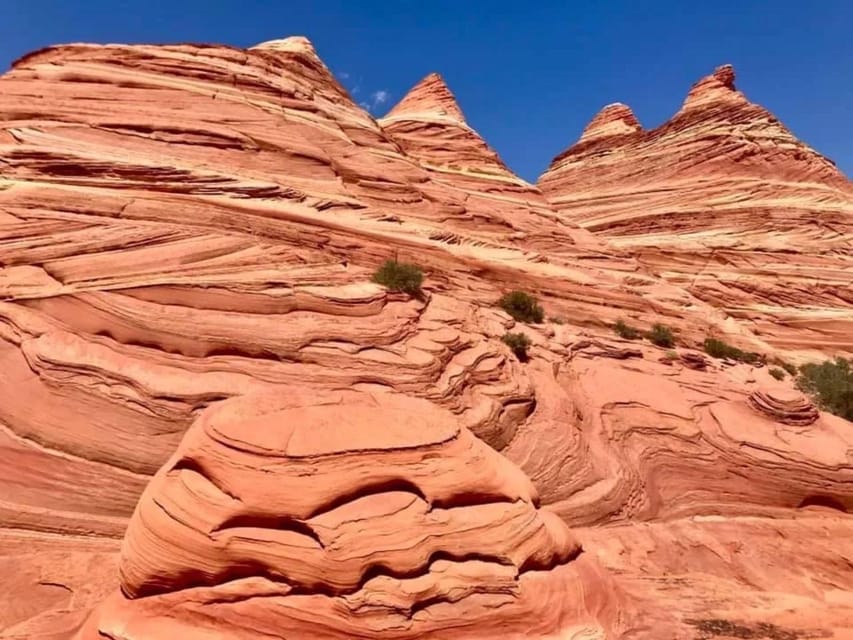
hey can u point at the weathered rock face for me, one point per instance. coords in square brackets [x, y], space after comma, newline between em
[430, 127]
[187, 235]
[723, 200]
[347, 515]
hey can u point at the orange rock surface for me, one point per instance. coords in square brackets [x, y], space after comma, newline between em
[341, 515]
[213, 424]
[724, 201]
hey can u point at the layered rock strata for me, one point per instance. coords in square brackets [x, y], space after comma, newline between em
[724, 201]
[187, 235]
[343, 515]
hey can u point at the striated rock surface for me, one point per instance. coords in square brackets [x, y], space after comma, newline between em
[431, 128]
[723, 200]
[613, 121]
[430, 98]
[344, 515]
[788, 407]
[187, 236]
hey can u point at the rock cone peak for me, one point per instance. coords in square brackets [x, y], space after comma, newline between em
[613, 120]
[716, 87]
[429, 96]
[292, 44]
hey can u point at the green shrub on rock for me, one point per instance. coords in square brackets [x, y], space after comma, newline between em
[790, 368]
[661, 335]
[626, 331]
[719, 349]
[519, 343]
[830, 384]
[400, 277]
[777, 373]
[522, 306]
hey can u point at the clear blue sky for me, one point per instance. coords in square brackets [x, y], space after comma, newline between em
[529, 75]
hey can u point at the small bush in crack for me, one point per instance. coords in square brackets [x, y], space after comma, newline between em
[661, 335]
[400, 277]
[719, 349]
[777, 373]
[522, 306]
[519, 343]
[626, 331]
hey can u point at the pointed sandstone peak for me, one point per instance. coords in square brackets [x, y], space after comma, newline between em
[293, 44]
[717, 87]
[431, 96]
[613, 120]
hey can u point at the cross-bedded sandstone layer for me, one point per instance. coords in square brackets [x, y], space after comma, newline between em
[345, 515]
[726, 202]
[189, 228]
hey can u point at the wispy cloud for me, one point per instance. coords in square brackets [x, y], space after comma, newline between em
[370, 100]
[380, 97]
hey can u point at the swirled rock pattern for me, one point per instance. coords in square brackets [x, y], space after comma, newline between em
[187, 234]
[347, 515]
[787, 407]
[723, 200]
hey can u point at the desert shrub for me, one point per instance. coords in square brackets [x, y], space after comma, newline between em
[400, 277]
[830, 383]
[661, 335]
[777, 373]
[790, 368]
[626, 330]
[556, 320]
[719, 349]
[522, 306]
[518, 343]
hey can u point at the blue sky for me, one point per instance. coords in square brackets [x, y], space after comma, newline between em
[528, 75]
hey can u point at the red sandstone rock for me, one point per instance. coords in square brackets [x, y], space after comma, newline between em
[430, 97]
[612, 121]
[344, 515]
[790, 408]
[723, 200]
[187, 236]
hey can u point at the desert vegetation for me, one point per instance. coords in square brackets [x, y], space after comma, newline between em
[522, 307]
[777, 373]
[624, 330]
[718, 349]
[400, 277]
[518, 343]
[661, 335]
[790, 368]
[830, 383]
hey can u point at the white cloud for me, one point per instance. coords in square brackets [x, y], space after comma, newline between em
[371, 101]
[380, 97]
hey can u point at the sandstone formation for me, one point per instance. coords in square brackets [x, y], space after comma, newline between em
[723, 200]
[787, 407]
[344, 515]
[430, 127]
[187, 234]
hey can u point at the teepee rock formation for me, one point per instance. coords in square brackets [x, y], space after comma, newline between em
[431, 97]
[614, 120]
[723, 200]
[214, 424]
[483, 197]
